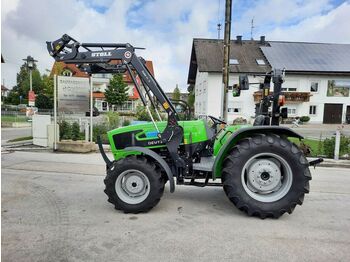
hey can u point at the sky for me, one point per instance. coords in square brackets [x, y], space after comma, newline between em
[165, 28]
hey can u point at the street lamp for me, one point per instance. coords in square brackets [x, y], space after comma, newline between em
[30, 65]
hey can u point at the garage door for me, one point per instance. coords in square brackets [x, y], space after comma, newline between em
[332, 113]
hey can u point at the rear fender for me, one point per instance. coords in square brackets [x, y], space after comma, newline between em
[157, 158]
[245, 132]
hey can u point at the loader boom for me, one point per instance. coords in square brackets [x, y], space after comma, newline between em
[116, 58]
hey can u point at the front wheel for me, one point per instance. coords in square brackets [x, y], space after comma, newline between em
[266, 175]
[134, 184]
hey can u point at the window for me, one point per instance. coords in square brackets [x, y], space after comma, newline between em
[290, 85]
[260, 61]
[234, 110]
[292, 111]
[67, 72]
[234, 61]
[314, 87]
[289, 89]
[312, 110]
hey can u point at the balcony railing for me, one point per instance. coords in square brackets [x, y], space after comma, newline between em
[294, 97]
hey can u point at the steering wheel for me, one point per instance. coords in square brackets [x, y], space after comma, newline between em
[216, 121]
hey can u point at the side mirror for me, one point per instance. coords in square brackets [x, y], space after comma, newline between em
[243, 82]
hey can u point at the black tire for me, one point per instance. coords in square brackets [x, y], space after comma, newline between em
[258, 144]
[156, 184]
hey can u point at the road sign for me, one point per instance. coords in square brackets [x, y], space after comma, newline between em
[73, 94]
[31, 98]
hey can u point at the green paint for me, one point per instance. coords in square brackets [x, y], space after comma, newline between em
[221, 147]
[194, 132]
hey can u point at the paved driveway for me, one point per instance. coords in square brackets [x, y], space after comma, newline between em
[53, 215]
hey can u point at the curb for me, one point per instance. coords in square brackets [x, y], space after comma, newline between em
[19, 143]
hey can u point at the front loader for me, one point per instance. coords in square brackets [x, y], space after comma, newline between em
[260, 170]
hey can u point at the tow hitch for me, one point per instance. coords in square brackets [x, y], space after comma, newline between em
[315, 162]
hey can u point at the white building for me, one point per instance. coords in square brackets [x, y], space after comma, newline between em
[317, 81]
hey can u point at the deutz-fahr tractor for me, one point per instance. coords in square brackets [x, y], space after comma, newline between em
[261, 171]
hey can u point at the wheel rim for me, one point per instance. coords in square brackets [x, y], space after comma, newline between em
[267, 177]
[132, 186]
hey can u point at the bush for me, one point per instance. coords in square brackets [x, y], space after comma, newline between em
[65, 130]
[126, 122]
[329, 146]
[75, 131]
[304, 119]
[113, 119]
[127, 114]
[101, 130]
[142, 114]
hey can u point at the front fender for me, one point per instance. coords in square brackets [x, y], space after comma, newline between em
[245, 132]
[157, 158]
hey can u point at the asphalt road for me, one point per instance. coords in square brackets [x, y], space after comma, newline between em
[315, 131]
[12, 133]
[54, 209]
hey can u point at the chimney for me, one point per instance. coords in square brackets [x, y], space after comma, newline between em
[239, 39]
[262, 40]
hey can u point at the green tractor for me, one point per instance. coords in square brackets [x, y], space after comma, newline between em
[260, 170]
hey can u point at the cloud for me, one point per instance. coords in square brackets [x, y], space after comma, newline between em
[332, 27]
[167, 36]
[164, 28]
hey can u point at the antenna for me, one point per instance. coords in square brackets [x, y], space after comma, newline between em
[251, 29]
[219, 22]
[219, 29]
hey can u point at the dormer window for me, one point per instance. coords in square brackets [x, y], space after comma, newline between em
[234, 61]
[67, 72]
[260, 61]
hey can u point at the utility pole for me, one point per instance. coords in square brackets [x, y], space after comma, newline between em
[226, 64]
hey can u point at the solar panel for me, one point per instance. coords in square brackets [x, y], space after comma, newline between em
[308, 56]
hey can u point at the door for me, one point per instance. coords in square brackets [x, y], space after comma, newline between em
[332, 113]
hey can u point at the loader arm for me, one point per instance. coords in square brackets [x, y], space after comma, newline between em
[117, 58]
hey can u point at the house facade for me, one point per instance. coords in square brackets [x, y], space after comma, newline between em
[317, 80]
[4, 91]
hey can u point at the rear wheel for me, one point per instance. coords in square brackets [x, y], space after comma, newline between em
[134, 185]
[266, 176]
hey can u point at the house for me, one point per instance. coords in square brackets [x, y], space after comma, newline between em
[101, 82]
[317, 80]
[4, 91]
[183, 96]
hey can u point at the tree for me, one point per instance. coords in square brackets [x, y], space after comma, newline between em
[117, 91]
[43, 102]
[176, 93]
[23, 83]
[47, 85]
[191, 99]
